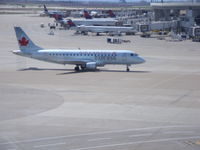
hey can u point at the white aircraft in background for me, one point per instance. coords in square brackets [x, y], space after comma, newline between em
[111, 30]
[84, 59]
[89, 21]
[53, 13]
[95, 22]
[110, 16]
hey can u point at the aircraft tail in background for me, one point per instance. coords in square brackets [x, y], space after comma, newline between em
[87, 15]
[45, 9]
[111, 14]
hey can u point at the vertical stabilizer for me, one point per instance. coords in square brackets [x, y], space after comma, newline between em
[45, 9]
[111, 14]
[24, 42]
[87, 15]
[71, 23]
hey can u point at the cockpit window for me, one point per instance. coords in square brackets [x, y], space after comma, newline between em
[134, 54]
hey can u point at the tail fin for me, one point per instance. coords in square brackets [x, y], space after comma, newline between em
[45, 9]
[70, 23]
[87, 15]
[58, 17]
[24, 42]
[111, 14]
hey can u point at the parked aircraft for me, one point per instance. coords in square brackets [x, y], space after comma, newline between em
[84, 59]
[53, 13]
[95, 22]
[95, 14]
[111, 30]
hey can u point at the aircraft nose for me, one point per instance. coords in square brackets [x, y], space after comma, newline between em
[141, 60]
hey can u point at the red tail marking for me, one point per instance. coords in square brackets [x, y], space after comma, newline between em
[23, 41]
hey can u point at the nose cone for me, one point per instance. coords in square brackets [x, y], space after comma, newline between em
[140, 60]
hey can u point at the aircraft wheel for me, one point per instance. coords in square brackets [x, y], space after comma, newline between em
[127, 68]
[83, 68]
[76, 68]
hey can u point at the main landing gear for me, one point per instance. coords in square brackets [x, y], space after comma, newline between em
[78, 67]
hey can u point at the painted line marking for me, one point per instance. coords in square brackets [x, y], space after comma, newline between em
[98, 139]
[139, 135]
[178, 132]
[138, 142]
[93, 133]
[47, 145]
[197, 142]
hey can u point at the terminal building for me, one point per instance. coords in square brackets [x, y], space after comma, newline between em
[164, 10]
[187, 13]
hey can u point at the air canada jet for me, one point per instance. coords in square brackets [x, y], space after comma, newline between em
[82, 59]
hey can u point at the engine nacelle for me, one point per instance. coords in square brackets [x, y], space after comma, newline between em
[91, 65]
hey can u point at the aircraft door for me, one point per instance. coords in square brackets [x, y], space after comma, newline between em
[124, 57]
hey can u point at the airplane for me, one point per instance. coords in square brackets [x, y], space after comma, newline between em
[95, 22]
[88, 20]
[93, 14]
[53, 13]
[82, 59]
[111, 30]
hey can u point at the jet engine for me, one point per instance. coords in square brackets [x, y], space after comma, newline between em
[91, 65]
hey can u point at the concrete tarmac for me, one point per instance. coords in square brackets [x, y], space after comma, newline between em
[45, 106]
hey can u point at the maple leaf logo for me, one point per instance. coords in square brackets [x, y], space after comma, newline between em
[23, 41]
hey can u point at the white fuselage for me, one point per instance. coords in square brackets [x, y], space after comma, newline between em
[104, 29]
[95, 22]
[81, 57]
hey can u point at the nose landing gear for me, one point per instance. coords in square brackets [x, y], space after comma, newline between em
[127, 68]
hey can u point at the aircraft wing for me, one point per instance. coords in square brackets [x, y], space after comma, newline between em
[77, 62]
